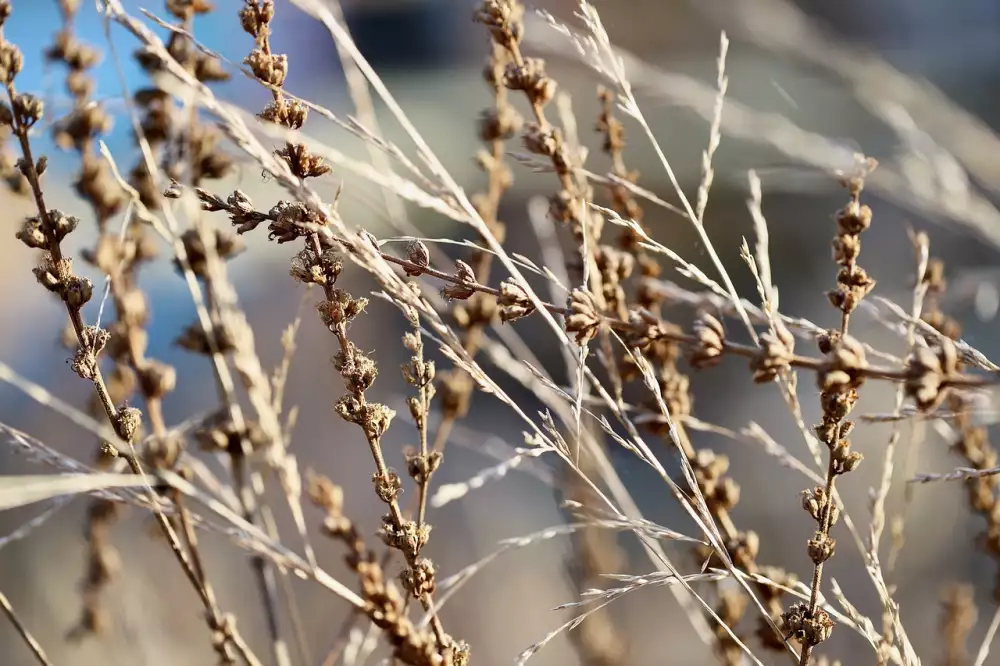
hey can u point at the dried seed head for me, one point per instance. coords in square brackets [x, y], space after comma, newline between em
[777, 349]
[202, 246]
[287, 112]
[846, 249]
[53, 274]
[821, 547]
[927, 372]
[77, 292]
[853, 284]
[306, 268]
[378, 419]
[302, 162]
[514, 301]
[408, 537]
[357, 369]
[815, 503]
[504, 18]
[31, 234]
[844, 367]
[456, 392]
[419, 580]
[809, 627]
[129, 422]
[547, 142]
[61, 225]
[854, 219]
[156, 378]
[710, 340]
[269, 68]
[11, 62]
[324, 493]
[342, 310]
[420, 468]
[531, 78]
[163, 452]
[462, 291]
[564, 206]
[388, 486]
[676, 391]
[28, 109]
[349, 408]
[461, 653]
[208, 69]
[92, 342]
[744, 548]
[417, 253]
[584, 321]
[842, 459]
[499, 124]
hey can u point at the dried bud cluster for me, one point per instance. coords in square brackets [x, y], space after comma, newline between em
[85, 123]
[271, 69]
[514, 301]
[853, 283]
[838, 378]
[807, 625]
[466, 286]
[385, 606]
[219, 433]
[204, 247]
[528, 75]
[928, 371]
[585, 319]
[615, 267]
[711, 338]
[79, 130]
[721, 492]
[624, 202]
[657, 339]
[777, 349]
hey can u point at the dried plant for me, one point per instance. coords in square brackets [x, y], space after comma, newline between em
[620, 391]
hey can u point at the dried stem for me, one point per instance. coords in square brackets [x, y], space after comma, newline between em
[30, 641]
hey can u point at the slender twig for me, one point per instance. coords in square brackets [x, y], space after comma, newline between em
[33, 645]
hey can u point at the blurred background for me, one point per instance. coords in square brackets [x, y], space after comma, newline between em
[910, 82]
